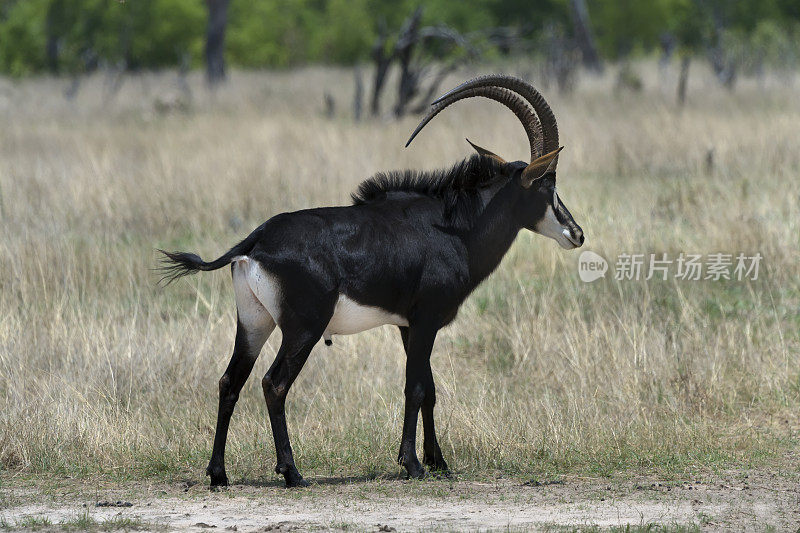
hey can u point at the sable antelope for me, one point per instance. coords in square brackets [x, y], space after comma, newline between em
[408, 252]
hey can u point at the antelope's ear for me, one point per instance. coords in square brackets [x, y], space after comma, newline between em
[539, 167]
[487, 153]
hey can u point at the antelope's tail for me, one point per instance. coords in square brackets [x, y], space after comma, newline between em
[175, 265]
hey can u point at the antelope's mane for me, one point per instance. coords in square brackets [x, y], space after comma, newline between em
[456, 187]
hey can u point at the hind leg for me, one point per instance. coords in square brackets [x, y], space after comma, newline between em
[254, 325]
[294, 352]
[303, 308]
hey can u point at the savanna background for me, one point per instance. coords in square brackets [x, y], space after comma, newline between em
[131, 126]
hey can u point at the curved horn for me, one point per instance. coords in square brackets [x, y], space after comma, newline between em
[498, 94]
[527, 91]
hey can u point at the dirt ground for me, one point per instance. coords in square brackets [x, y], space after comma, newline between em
[740, 500]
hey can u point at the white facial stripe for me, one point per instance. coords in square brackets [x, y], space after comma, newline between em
[549, 226]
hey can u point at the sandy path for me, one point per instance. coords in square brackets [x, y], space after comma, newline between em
[736, 501]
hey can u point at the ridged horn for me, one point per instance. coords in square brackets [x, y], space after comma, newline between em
[529, 93]
[527, 117]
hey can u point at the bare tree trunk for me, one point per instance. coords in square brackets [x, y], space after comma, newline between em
[416, 66]
[683, 79]
[330, 105]
[710, 160]
[382, 62]
[433, 88]
[358, 96]
[55, 12]
[561, 58]
[724, 66]
[668, 43]
[183, 73]
[404, 50]
[215, 40]
[584, 36]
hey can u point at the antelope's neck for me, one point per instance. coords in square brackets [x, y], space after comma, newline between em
[493, 233]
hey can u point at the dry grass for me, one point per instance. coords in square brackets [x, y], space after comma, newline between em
[103, 372]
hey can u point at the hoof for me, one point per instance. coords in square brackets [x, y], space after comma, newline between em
[299, 482]
[218, 477]
[411, 464]
[438, 465]
[292, 476]
[415, 471]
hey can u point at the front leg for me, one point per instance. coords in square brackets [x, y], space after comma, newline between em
[431, 452]
[251, 333]
[418, 343]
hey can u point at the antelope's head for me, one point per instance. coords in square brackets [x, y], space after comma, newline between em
[543, 211]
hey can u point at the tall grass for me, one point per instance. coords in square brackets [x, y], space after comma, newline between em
[103, 372]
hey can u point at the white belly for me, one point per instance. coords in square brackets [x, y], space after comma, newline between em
[251, 280]
[351, 317]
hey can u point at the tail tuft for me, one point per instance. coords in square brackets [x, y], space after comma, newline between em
[175, 265]
[178, 264]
